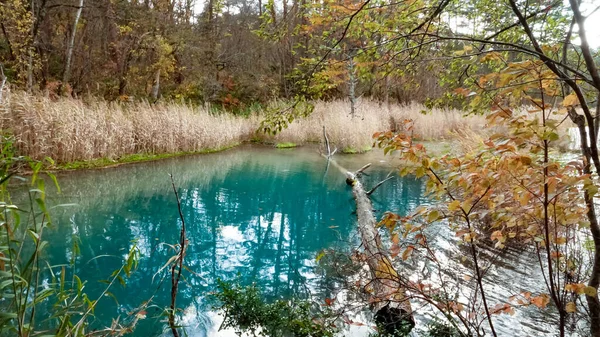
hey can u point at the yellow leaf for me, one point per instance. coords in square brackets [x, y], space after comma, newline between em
[454, 205]
[319, 256]
[496, 235]
[590, 291]
[571, 307]
[524, 199]
[560, 240]
[433, 215]
[570, 100]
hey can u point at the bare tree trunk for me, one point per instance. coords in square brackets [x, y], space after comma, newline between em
[189, 11]
[387, 94]
[597, 124]
[67, 71]
[2, 81]
[8, 44]
[352, 86]
[392, 308]
[593, 303]
[156, 86]
[30, 72]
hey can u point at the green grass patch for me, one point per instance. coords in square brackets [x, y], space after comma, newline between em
[132, 158]
[352, 150]
[285, 145]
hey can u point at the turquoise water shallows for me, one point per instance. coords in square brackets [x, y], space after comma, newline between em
[253, 214]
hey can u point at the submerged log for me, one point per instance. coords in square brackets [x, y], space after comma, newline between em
[391, 306]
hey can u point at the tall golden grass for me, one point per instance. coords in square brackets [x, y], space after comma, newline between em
[348, 132]
[70, 130]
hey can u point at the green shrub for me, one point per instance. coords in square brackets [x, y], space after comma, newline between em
[246, 312]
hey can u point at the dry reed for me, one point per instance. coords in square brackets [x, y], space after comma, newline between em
[355, 133]
[69, 130]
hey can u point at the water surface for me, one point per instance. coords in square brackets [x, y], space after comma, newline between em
[253, 214]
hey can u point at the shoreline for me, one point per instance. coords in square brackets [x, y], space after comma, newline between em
[436, 147]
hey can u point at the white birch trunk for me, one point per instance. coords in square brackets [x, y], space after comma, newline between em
[71, 44]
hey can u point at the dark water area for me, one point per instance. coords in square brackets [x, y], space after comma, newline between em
[253, 214]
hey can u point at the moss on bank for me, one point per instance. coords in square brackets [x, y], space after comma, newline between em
[351, 150]
[285, 145]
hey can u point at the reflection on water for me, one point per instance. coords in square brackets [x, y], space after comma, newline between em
[255, 214]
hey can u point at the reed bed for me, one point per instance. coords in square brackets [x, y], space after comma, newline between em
[355, 133]
[69, 130]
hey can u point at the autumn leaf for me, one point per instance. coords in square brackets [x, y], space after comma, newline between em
[433, 216]
[570, 100]
[319, 256]
[578, 288]
[571, 307]
[407, 253]
[590, 291]
[454, 205]
[496, 235]
[540, 301]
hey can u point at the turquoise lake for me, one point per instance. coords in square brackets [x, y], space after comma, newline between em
[253, 214]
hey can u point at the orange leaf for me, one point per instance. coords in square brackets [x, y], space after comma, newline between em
[407, 253]
[540, 301]
[496, 235]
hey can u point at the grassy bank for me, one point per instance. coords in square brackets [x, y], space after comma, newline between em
[97, 133]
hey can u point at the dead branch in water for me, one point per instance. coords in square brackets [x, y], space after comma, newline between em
[329, 153]
[389, 176]
[391, 306]
[177, 265]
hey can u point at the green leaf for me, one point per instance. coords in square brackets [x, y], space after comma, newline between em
[8, 315]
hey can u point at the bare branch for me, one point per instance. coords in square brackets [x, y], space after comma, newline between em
[388, 177]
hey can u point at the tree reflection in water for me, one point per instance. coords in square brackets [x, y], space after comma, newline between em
[253, 214]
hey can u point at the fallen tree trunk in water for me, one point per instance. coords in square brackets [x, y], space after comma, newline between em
[390, 304]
